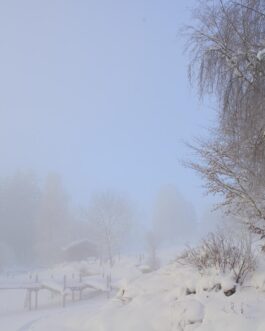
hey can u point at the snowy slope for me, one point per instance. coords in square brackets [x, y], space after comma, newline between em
[173, 298]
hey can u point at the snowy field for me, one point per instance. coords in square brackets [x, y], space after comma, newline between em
[172, 298]
[14, 304]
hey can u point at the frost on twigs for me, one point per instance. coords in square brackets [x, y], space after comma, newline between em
[227, 53]
[223, 253]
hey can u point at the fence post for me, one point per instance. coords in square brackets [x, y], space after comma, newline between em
[36, 298]
[64, 282]
[64, 288]
[29, 291]
[108, 283]
[36, 291]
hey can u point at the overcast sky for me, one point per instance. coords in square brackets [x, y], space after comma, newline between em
[97, 91]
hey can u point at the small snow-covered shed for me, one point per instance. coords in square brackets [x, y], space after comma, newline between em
[79, 250]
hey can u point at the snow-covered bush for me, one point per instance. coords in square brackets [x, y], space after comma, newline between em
[226, 253]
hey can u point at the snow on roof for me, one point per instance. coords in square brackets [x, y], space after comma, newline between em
[78, 243]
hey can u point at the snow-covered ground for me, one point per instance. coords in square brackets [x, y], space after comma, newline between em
[14, 304]
[173, 298]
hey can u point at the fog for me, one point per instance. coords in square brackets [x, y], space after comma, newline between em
[95, 109]
[130, 133]
[39, 222]
[174, 218]
[94, 102]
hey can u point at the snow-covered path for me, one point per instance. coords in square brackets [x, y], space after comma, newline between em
[51, 315]
[58, 318]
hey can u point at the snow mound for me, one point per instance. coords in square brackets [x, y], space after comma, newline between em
[188, 312]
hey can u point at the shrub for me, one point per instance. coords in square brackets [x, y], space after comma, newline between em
[225, 253]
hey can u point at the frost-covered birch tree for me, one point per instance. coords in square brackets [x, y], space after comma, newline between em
[227, 49]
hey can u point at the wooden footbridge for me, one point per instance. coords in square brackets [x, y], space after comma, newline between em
[65, 287]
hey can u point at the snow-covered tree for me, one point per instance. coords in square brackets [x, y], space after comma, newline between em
[19, 203]
[152, 243]
[227, 46]
[53, 219]
[110, 218]
[174, 218]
